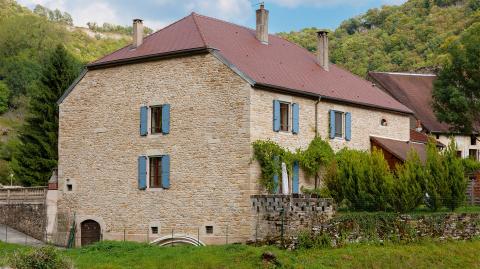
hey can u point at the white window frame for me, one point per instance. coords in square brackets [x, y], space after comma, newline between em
[148, 173]
[342, 137]
[289, 116]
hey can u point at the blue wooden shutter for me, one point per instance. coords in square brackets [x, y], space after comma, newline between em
[143, 121]
[275, 175]
[142, 172]
[332, 124]
[165, 118]
[295, 118]
[165, 171]
[348, 126]
[276, 115]
[295, 178]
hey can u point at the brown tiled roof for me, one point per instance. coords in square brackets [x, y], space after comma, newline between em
[419, 137]
[400, 149]
[280, 64]
[415, 92]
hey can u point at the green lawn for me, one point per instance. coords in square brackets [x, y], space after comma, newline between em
[113, 255]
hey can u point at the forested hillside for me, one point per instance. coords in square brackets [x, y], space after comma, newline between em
[27, 38]
[396, 38]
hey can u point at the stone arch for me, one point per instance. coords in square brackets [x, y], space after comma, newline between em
[177, 239]
[90, 232]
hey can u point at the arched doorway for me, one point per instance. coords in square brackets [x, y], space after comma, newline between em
[90, 232]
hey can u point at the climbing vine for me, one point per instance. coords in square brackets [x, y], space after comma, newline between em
[270, 156]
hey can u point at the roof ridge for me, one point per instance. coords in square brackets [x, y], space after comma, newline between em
[198, 28]
[219, 20]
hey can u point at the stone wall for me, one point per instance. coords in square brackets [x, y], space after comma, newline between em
[391, 227]
[208, 144]
[287, 214]
[30, 219]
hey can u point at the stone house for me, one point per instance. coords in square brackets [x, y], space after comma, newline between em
[415, 92]
[156, 137]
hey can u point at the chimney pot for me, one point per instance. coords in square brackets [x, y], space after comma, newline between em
[322, 49]
[137, 33]
[262, 24]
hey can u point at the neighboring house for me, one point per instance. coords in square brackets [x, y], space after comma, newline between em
[157, 136]
[415, 92]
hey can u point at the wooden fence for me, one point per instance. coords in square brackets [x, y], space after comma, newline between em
[23, 195]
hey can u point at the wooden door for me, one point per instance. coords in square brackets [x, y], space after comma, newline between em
[90, 232]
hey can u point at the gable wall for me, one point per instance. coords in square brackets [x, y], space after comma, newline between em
[208, 144]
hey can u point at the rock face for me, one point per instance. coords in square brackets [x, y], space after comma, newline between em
[214, 117]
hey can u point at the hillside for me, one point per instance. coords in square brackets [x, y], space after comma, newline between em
[395, 38]
[26, 37]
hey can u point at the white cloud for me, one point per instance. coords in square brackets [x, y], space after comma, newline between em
[52, 4]
[155, 24]
[296, 3]
[233, 10]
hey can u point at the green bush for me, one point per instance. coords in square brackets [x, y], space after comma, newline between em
[470, 165]
[455, 177]
[307, 240]
[407, 188]
[361, 178]
[435, 186]
[39, 258]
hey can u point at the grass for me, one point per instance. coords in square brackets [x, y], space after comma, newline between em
[113, 255]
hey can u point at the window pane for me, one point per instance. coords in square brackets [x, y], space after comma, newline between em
[156, 119]
[338, 124]
[155, 172]
[284, 116]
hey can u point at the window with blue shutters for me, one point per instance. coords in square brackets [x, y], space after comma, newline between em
[159, 172]
[340, 125]
[276, 115]
[160, 119]
[276, 184]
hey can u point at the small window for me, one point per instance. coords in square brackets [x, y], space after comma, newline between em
[209, 229]
[473, 140]
[339, 124]
[284, 116]
[155, 172]
[69, 187]
[437, 136]
[156, 118]
[473, 154]
[383, 122]
[459, 153]
[154, 230]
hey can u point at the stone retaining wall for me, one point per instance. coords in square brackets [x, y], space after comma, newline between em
[30, 219]
[277, 214]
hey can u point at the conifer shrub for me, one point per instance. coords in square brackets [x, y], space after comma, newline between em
[407, 191]
[435, 187]
[454, 177]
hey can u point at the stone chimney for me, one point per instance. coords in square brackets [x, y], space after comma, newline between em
[262, 24]
[322, 49]
[137, 33]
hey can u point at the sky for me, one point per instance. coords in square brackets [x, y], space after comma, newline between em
[285, 15]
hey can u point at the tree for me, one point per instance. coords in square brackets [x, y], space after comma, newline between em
[4, 96]
[36, 155]
[456, 94]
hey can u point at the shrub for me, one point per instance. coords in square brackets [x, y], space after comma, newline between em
[362, 178]
[435, 185]
[470, 165]
[454, 177]
[322, 192]
[39, 258]
[407, 190]
[270, 156]
[307, 240]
